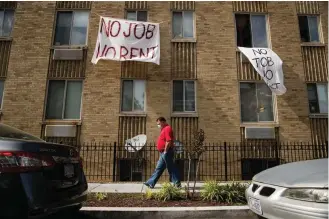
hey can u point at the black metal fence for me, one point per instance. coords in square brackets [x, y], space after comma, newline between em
[220, 161]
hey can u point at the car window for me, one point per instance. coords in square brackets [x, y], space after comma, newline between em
[16, 134]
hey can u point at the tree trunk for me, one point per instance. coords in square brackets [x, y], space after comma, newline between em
[196, 174]
[188, 177]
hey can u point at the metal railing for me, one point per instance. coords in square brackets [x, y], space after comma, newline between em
[222, 161]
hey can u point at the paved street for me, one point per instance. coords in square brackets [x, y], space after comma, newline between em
[65, 216]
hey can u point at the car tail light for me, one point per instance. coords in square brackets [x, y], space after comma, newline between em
[23, 161]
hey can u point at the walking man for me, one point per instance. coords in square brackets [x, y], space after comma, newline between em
[166, 148]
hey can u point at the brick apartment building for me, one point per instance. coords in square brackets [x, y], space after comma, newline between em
[50, 88]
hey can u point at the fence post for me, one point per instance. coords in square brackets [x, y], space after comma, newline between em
[225, 160]
[277, 158]
[114, 161]
[325, 150]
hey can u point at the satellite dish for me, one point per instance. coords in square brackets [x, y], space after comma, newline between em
[178, 147]
[136, 143]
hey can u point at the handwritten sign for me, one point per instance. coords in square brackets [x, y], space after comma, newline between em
[125, 40]
[269, 65]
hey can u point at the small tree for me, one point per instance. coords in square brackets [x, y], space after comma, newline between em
[194, 151]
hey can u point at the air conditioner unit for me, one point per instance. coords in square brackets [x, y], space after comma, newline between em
[68, 54]
[60, 130]
[260, 133]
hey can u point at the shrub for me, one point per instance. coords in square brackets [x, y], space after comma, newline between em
[149, 194]
[211, 191]
[231, 193]
[168, 192]
[100, 196]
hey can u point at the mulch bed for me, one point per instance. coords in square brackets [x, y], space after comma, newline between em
[138, 200]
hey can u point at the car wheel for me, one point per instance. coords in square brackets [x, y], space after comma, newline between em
[260, 217]
[14, 215]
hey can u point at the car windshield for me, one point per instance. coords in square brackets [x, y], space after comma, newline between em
[13, 133]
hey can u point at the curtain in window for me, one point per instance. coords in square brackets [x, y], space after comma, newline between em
[79, 28]
[127, 96]
[189, 96]
[55, 99]
[259, 36]
[73, 100]
[63, 28]
[139, 95]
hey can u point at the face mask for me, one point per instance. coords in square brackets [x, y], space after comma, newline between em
[159, 126]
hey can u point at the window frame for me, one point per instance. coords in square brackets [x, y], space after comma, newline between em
[317, 98]
[318, 18]
[195, 97]
[136, 13]
[274, 106]
[121, 97]
[2, 80]
[268, 35]
[71, 25]
[64, 99]
[185, 39]
[12, 28]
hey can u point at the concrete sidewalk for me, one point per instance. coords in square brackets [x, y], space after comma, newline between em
[128, 187]
[135, 187]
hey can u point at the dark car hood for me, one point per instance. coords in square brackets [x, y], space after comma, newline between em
[305, 174]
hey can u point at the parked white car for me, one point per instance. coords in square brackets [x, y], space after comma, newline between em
[291, 191]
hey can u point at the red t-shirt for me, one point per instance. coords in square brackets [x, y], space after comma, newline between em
[165, 135]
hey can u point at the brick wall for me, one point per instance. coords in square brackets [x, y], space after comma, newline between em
[25, 85]
[218, 108]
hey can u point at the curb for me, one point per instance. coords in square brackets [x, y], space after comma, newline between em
[210, 208]
[211, 212]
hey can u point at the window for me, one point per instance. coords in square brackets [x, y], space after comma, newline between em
[2, 83]
[137, 15]
[6, 22]
[256, 102]
[251, 30]
[64, 99]
[318, 98]
[133, 95]
[183, 24]
[71, 28]
[184, 96]
[308, 28]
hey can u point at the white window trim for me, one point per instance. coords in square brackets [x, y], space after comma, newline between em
[317, 96]
[268, 35]
[195, 98]
[121, 97]
[71, 25]
[183, 38]
[64, 99]
[259, 123]
[136, 13]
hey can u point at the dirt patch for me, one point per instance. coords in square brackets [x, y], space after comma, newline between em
[139, 200]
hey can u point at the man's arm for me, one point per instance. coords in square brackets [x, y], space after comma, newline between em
[169, 139]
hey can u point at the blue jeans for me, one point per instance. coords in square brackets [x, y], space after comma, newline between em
[166, 160]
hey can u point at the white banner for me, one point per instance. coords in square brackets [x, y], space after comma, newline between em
[125, 40]
[268, 65]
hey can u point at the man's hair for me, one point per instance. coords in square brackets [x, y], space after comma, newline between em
[161, 119]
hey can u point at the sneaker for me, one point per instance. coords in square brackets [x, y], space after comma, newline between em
[148, 185]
